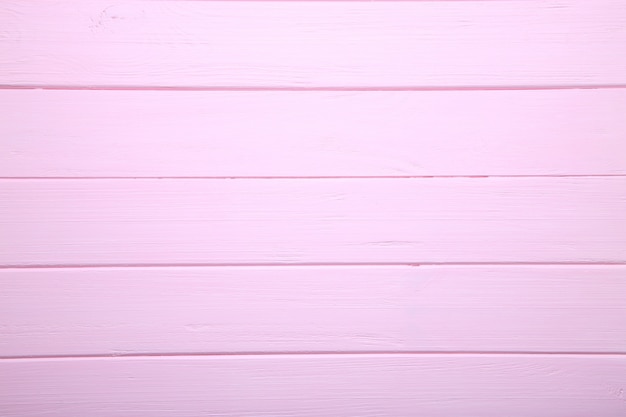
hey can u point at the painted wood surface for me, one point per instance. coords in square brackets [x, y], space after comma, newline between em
[130, 311]
[310, 386]
[302, 291]
[225, 44]
[313, 133]
[290, 221]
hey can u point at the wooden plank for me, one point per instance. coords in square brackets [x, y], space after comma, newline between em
[312, 133]
[127, 311]
[313, 44]
[295, 221]
[315, 385]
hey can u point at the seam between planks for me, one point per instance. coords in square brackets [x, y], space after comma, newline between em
[330, 177]
[122, 355]
[302, 264]
[321, 88]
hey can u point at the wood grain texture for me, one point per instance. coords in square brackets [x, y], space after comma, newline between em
[212, 295]
[374, 133]
[313, 44]
[286, 221]
[313, 386]
[126, 311]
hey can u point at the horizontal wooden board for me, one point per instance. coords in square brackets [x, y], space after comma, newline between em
[312, 44]
[126, 311]
[295, 221]
[312, 133]
[318, 385]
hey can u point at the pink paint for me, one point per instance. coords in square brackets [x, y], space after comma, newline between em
[311, 133]
[337, 44]
[138, 222]
[313, 208]
[438, 385]
[312, 308]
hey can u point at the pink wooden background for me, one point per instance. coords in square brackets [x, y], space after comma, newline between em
[313, 208]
